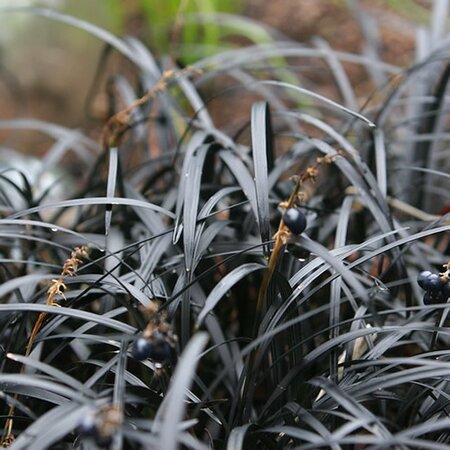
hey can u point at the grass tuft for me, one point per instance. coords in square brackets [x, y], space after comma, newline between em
[182, 310]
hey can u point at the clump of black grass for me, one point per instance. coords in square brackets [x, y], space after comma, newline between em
[248, 285]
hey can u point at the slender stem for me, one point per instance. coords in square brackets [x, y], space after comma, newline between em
[56, 289]
[279, 242]
[255, 357]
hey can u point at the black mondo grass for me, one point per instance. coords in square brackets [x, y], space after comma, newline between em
[236, 260]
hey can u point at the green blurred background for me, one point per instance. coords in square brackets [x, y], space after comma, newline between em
[52, 65]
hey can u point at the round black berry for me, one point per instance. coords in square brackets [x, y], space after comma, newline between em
[422, 278]
[92, 427]
[433, 283]
[433, 298]
[295, 220]
[103, 441]
[159, 347]
[446, 290]
[88, 426]
[141, 349]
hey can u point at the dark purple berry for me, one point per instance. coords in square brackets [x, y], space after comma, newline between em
[433, 298]
[141, 349]
[422, 278]
[88, 426]
[91, 426]
[103, 441]
[446, 290]
[433, 283]
[427, 298]
[295, 220]
[159, 347]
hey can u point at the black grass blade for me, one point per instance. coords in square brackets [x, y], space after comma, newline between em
[262, 143]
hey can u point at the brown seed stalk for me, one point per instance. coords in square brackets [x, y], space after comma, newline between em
[54, 292]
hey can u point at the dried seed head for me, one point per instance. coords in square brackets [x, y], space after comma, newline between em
[8, 440]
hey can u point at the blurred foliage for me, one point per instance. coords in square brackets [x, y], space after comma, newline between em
[166, 22]
[407, 8]
[163, 22]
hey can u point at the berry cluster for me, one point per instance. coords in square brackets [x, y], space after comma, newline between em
[157, 341]
[437, 287]
[295, 220]
[155, 347]
[100, 425]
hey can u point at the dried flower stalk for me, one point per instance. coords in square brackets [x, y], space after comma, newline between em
[54, 293]
[120, 121]
[282, 234]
